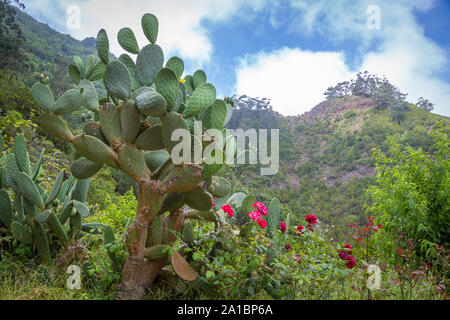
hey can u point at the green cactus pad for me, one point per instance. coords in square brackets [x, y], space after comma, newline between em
[171, 122]
[56, 187]
[219, 186]
[83, 168]
[155, 159]
[131, 66]
[11, 174]
[130, 119]
[157, 252]
[210, 169]
[207, 215]
[20, 150]
[148, 63]
[118, 80]
[132, 163]
[127, 40]
[103, 46]
[94, 129]
[189, 84]
[42, 216]
[198, 78]
[21, 233]
[177, 65]
[182, 179]
[57, 229]
[94, 149]
[203, 97]
[236, 200]
[90, 63]
[168, 86]
[149, 25]
[43, 96]
[273, 215]
[74, 74]
[81, 208]
[182, 267]
[187, 234]
[6, 212]
[171, 202]
[198, 199]
[40, 240]
[247, 204]
[110, 123]
[150, 139]
[29, 190]
[218, 114]
[89, 97]
[80, 66]
[70, 101]
[150, 102]
[98, 72]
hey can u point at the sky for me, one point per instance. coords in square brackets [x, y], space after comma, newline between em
[289, 51]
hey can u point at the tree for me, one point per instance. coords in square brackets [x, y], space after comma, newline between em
[11, 36]
[425, 104]
[412, 195]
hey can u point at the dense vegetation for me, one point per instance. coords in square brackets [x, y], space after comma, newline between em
[363, 180]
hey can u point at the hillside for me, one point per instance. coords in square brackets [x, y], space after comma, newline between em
[325, 154]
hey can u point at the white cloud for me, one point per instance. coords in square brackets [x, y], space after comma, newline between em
[180, 29]
[293, 79]
[399, 50]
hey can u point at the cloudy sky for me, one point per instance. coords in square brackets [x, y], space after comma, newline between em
[289, 51]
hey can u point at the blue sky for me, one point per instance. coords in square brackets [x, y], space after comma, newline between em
[289, 51]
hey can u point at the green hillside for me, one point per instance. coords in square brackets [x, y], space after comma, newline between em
[326, 160]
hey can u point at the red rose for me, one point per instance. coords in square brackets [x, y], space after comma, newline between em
[311, 219]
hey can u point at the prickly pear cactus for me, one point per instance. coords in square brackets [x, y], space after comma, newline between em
[146, 103]
[35, 214]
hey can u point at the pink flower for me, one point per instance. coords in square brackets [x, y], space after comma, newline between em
[255, 215]
[311, 219]
[227, 208]
[260, 207]
[283, 227]
[262, 223]
[298, 258]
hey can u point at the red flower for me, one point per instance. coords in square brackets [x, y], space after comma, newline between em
[348, 247]
[283, 227]
[350, 262]
[214, 202]
[262, 223]
[288, 247]
[260, 207]
[227, 208]
[300, 229]
[310, 227]
[343, 255]
[311, 219]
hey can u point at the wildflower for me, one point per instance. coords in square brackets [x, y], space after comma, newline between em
[349, 247]
[227, 208]
[255, 215]
[182, 80]
[310, 227]
[214, 202]
[350, 262]
[311, 219]
[283, 227]
[300, 229]
[288, 247]
[260, 207]
[343, 255]
[298, 258]
[262, 223]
